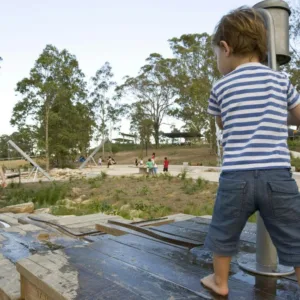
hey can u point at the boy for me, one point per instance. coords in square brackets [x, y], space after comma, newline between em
[150, 166]
[251, 103]
[166, 165]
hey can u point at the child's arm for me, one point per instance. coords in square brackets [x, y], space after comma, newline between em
[293, 99]
[219, 122]
[294, 116]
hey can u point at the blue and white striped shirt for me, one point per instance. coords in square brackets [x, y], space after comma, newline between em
[253, 101]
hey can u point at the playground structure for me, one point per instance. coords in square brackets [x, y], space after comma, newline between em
[36, 167]
[276, 15]
[91, 156]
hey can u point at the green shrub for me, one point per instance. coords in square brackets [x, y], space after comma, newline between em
[295, 162]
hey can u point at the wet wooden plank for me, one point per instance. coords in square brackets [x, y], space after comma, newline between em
[191, 234]
[179, 272]
[9, 220]
[19, 242]
[43, 280]
[248, 234]
[82, 219]
[139, 281]
[203, 257]
[9, 280]
[121, 230]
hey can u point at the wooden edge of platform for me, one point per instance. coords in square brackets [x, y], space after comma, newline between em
[35, 280]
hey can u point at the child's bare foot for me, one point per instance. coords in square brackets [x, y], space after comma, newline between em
[210, 282]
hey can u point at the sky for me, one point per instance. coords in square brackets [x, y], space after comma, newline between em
[122, 32]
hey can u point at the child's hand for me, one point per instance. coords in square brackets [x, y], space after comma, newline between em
[4, 184]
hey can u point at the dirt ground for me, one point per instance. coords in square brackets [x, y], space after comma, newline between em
[195, 155]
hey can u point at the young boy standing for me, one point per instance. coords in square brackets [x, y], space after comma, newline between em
[166, 165]
[251, 104]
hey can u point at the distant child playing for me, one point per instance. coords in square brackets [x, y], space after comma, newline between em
[150, 166]
[166, 165]
[251, 104]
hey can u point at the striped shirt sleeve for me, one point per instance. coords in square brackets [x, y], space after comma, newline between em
[293, 96]
[213, 105]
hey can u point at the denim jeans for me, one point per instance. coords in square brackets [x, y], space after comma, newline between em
[274, 193]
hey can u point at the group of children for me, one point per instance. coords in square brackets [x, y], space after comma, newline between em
[110, 161]
[152, 166]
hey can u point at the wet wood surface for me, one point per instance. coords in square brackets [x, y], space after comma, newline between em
[134, 266]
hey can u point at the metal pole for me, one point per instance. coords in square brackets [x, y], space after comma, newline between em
[93, 153]
[29, 159]
[266, 254]
[265, 261]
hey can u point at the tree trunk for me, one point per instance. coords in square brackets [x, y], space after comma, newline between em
[47, 138]
[156, 134]
[142, 150]
[103, 145]
[213, 137]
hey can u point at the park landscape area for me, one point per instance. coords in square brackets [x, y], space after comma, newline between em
[118, 231]
[132, 196]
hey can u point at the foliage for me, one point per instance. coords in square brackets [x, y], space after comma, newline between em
[196, 71]
[153, 91]
[295, 162]
[293, 68]
[105, 102]
[43, 195]
[54, 84]
[141, 125]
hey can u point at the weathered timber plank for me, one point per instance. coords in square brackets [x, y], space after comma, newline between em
[203, 258]
[247, 235]
[9, 220]
[123, 229]
[197, 236]
[9, 281]
[81, 219]
[181, 273]
[141, 282]
[37, 276]
[85, 285]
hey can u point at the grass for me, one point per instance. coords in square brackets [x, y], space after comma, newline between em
[41, 194]
[194, 155]
[130, 197]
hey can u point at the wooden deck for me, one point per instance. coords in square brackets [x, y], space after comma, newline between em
[134, 266]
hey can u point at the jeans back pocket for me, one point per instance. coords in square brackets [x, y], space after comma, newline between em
[285, 200]
[231, 195]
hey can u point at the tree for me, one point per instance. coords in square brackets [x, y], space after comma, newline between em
[196, 72]
[142, 126]
[105, 102]
[55, 77]
[4, 152]
[153, 90]
[75, 124]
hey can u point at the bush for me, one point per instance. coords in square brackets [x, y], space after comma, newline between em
[294, 144]
[40, 195]
[295, 162]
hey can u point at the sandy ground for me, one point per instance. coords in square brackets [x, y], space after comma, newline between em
[208, 173]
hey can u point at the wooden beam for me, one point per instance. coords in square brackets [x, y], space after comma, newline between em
[118, 228]
[152, 223]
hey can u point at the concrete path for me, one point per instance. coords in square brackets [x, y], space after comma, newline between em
[208, 173]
